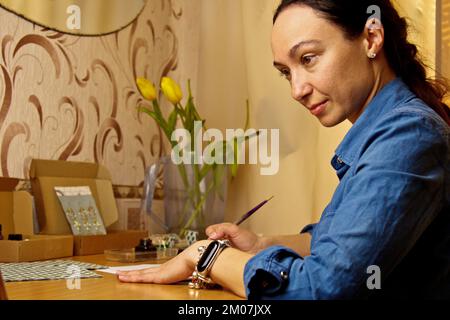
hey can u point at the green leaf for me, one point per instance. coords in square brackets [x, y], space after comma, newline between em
[197, 116]
[219, 175]
[204, 171]
[189, 119]
[234, 170]
[158, 119]
[234, 166]
[181, 111]
[150, 113]
[256, 134]
[157, 110]
[191, 105]
[247, 116]
[173, 120]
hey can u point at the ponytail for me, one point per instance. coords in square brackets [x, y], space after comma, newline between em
[404, 60]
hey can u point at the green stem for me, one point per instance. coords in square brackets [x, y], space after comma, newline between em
[197, 192]
[184, 177]
[198, 209]
[183, 174]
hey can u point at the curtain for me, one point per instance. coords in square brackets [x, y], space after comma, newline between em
[235, 64]
[444, 38]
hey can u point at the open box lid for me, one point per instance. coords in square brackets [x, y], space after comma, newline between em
[47, 174]
[16, 214]
[8, 184]
[68, 169]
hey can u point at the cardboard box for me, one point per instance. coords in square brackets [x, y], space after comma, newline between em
[114, 240]
[37, 247]
[16, 216]
[47, 174]
[8, 184]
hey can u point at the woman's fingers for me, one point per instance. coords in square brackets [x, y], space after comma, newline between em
[138, 272]
[175, 270]
[171, 274]
[136, 276]
[213, 232]
[143, 277]
[223, 230]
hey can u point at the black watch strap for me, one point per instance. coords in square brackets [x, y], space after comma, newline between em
[208, 255]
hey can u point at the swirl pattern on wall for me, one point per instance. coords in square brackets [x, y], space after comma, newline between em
[74, 98]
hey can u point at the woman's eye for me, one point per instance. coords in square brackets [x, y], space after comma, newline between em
[285, 74]
[307, 60]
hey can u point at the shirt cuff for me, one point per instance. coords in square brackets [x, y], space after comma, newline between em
[267, 273]
[309, 229]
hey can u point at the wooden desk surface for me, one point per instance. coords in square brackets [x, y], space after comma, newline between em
[109, 288]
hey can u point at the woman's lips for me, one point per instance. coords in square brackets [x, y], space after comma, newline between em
[317, 110]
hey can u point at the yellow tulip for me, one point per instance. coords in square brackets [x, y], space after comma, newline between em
[171, 90]
[146, 88]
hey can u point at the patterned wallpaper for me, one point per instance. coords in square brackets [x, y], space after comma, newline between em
[73, 98]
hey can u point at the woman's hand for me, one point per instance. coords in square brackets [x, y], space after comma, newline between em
[176, 269]
[239, 238]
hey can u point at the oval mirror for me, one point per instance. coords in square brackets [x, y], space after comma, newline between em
[80, 17]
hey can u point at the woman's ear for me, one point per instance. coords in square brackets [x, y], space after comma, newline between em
[373, 37]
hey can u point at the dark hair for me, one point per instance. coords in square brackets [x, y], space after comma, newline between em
[351, 16]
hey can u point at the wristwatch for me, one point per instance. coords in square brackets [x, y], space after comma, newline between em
[208, 255]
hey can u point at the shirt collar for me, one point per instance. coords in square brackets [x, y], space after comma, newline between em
[389, 97]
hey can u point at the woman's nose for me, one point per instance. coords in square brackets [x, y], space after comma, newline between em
[300, 89]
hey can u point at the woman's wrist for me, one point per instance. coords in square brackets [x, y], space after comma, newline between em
[228, 270]
[263, 243]
[194, 252]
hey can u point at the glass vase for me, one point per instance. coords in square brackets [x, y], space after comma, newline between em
[194, 198]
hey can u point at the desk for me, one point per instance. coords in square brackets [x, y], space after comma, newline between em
[109, 288]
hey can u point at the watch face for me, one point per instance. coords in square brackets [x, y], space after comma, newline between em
[207, 256]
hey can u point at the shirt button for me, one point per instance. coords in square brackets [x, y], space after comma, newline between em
[340, 161]
[284, 275]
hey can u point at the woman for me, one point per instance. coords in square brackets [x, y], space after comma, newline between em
[389, 216]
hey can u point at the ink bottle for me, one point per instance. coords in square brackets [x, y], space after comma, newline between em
[145, 245]
[15, 237]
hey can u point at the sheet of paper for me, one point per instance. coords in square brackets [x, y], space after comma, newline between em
[113, 270]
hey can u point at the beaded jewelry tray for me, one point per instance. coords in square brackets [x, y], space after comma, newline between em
[49, 270]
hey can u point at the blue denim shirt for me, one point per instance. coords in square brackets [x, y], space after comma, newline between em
[390, 210]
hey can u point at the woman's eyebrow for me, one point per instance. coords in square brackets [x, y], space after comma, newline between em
[278, 65]
[294, 49]
[301, 44]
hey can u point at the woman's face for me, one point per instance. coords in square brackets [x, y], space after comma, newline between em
[329, 74]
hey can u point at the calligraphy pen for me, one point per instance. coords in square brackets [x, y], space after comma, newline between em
[252, 211]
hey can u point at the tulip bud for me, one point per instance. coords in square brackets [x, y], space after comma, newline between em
[171, 90]
[146, 88]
